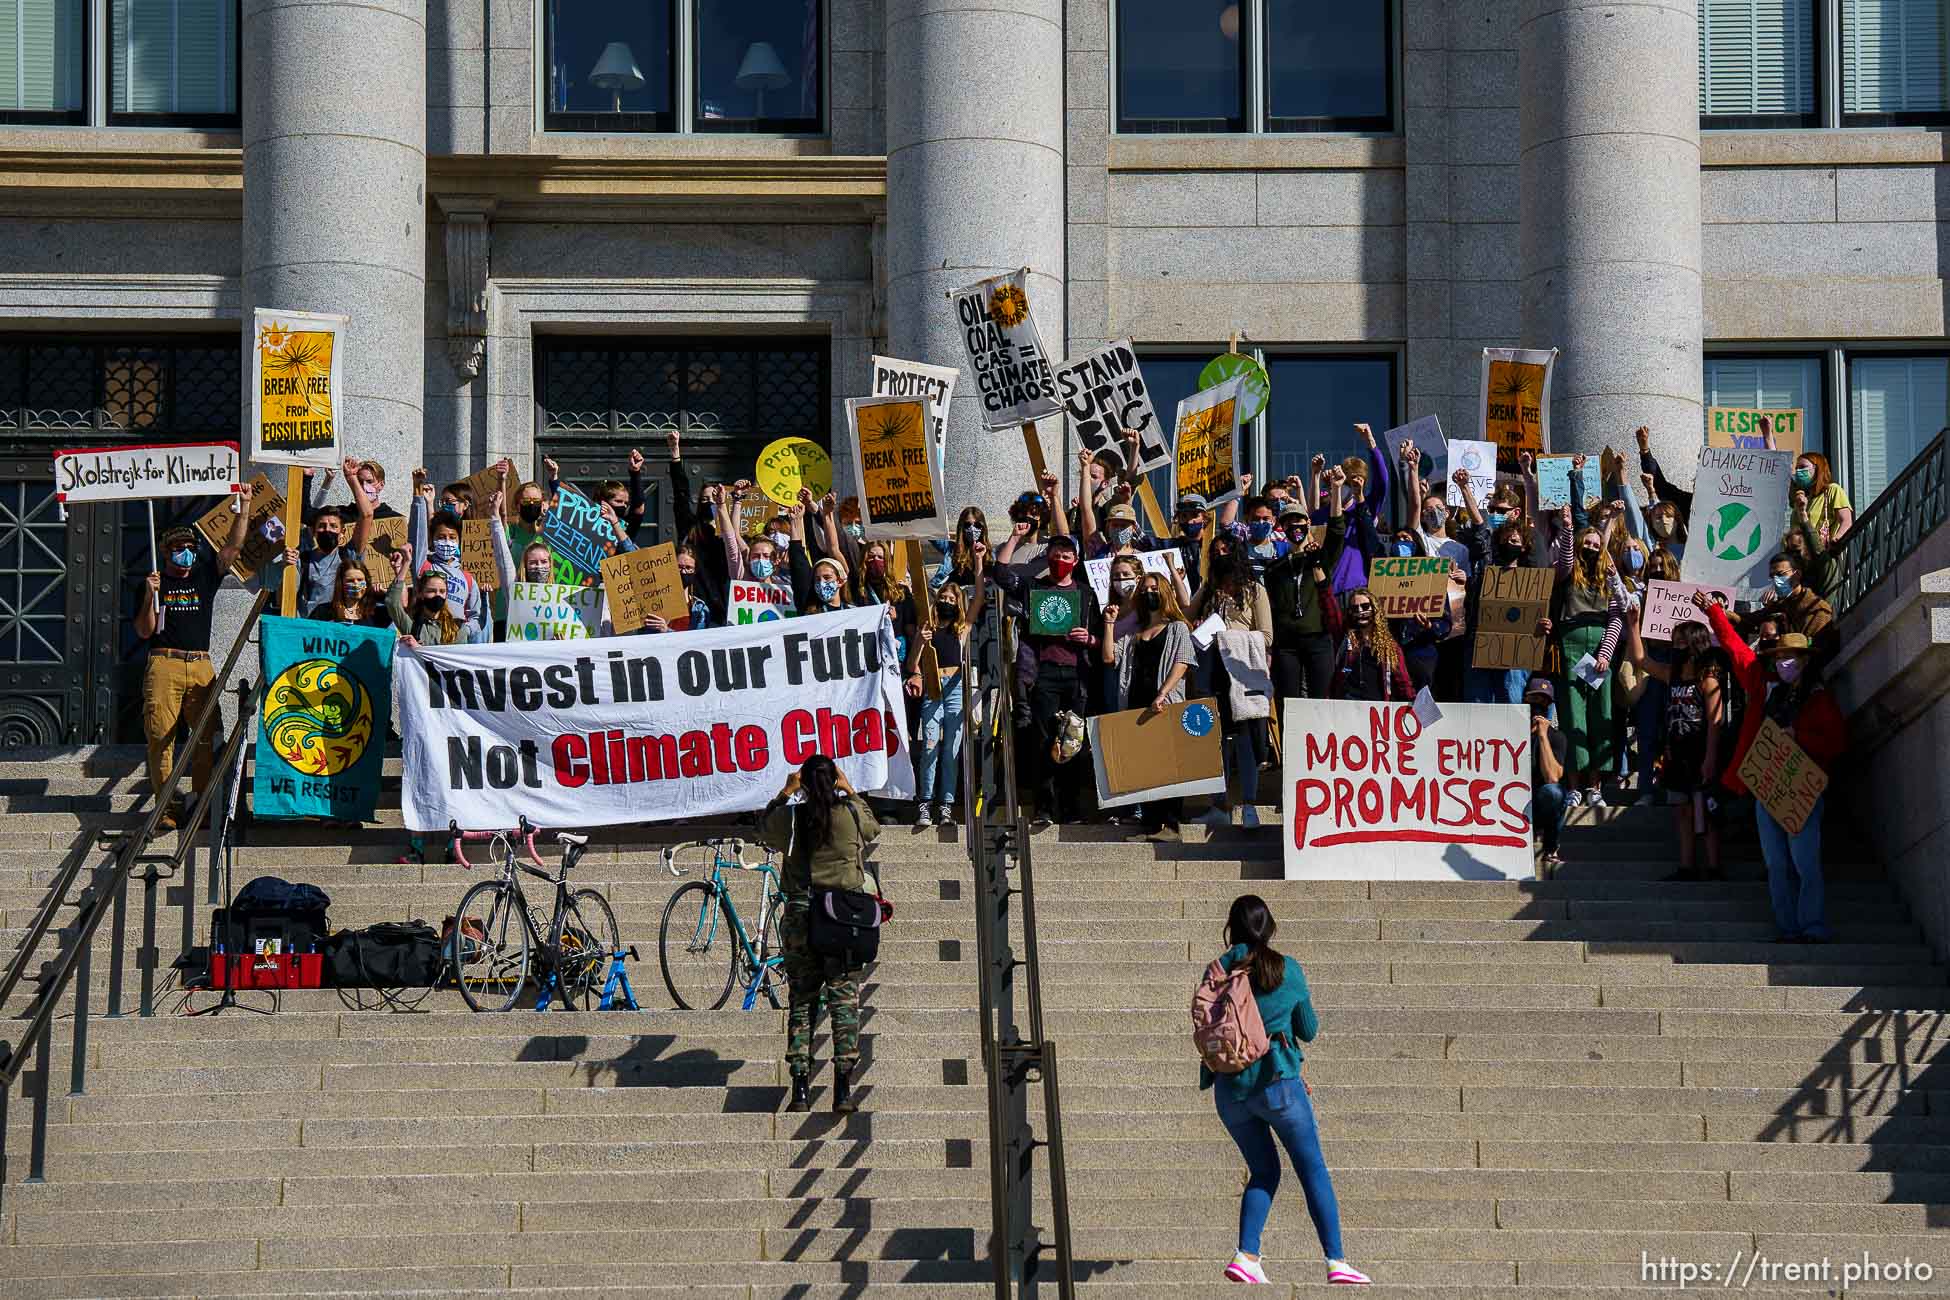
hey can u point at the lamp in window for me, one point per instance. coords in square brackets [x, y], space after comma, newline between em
[761, 71]
[617, 73]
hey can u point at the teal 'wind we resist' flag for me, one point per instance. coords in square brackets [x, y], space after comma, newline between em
[323, 719]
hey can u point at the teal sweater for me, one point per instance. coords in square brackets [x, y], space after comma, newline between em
[1286, 1009]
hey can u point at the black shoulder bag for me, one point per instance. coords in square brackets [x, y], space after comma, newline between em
[844, 927]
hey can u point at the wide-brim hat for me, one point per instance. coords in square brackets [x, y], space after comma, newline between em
[1788, 643]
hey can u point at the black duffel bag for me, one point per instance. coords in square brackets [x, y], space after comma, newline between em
[390, 955]
[844, 927]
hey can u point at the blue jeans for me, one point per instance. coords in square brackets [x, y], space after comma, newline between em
[1281, 1108]
[1497, 685]
[1650, 718]
[1794, 873]
[1547, 815]
[940, 745]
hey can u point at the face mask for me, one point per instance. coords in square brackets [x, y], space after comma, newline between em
[1296, 533]
[946, 611]
[1538, 710]
[1497, 519]
[686, 576]
[1788, 670]
[856, 530]
[1634, 561]
[537, 573]
[1260, 529]
[826, 589]
[1061, 565]
[454, 507]
[1124, 587]
[1151, 602]
[1804, 478]
[1364, 615]
[1121, 536]
[1783, 584]
[876, 567]
[183, 557]
[325, 543]
[446, 550]
[1590, 554]
[761, 569]
[1661, 526]
[433, 604]
[780, 540]
[1433, 520]
[371, 490]
[1194, 528]
[1404, 549]
[971, 533]
[531, 513]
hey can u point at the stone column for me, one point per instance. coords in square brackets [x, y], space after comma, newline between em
[975, 149]
[1611, 220]
[335, 175]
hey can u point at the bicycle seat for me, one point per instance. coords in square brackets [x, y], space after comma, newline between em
[565, 837]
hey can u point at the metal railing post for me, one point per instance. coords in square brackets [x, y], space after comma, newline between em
[37, 1089]
[118, 934]
[78, 1067]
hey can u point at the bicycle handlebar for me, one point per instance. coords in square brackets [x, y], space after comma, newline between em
[736, 861]
[456, 837]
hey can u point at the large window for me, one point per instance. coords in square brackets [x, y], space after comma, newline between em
[754, 66]
[1224, 66]
[1773, 383]
[1764, 63]
[160, 62]
[42, 57]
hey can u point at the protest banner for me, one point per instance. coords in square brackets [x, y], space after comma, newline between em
[323, 720]
[145, 473]
[1372, 794]
[553, 611]
[895, 465]
[788, 464]
[1516, 400]
[1512, 603]
[1554, 483]
[1139, 755]
[1740, 501]
[1404, 586]
[1256, 390]
[1739, 427]
[1055, 611]
[751, 602]
[1104, 394]
[644, 583]
[1668, 604]
[575, 529]
[893, 377]
[1426, 433]
[484, 483]
[387, 539]
[1206, 444]
[1012, 371]
[477, 553]
[1786, 781]
[1166, 564]
[297, 387]
[1479, 458]
[267, 503]
[658, 728]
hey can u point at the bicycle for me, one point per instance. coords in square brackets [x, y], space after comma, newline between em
[688, 947]
[499, 947]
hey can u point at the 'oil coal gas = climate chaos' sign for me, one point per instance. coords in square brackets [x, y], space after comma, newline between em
[1012, 371]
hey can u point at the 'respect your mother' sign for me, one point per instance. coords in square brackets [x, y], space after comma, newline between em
[647, 729]
[1372, 794]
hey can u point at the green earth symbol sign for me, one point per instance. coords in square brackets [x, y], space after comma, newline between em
[1733, 533]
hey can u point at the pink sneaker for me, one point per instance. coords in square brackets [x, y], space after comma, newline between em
[1242, 1269]
[1339, 1274]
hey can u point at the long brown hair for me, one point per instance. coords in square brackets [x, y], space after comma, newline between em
[1378, 638]
[443, 619]
[1169, 610]
[961, 554]
[1601, 572]
[1251, 923]
[870, 588]
[363, 610]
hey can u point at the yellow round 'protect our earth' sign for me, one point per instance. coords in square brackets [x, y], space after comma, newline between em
[789, 464]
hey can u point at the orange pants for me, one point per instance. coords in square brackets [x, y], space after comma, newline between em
[173, 692]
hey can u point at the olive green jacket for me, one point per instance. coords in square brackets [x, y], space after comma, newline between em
[840, 863]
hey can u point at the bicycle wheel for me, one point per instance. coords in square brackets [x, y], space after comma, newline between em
[590, 939]
[770, 976]
[490, 947]
[697, 948]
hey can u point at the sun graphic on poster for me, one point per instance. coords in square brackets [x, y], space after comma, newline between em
[318, 716]
[299, 355]
[1009, 305]
[892, 424]
[1516, 383]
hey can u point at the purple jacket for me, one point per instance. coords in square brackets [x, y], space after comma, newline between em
[1363, 527]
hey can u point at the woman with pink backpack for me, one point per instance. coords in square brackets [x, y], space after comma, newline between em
[1250, 1014]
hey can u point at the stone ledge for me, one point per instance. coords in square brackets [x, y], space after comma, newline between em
[1820, 148]
[1258, 153]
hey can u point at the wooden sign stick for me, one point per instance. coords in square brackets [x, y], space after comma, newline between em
[1154, 515]
[1034, 446]
[294, 522]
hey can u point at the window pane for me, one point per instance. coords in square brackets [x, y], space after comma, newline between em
[1896, 406]
[1771, 383]
[173, 58]
[40, 56]
[1181, 66]
[1327, 66]
[758, 65]
[1316, 403]
[1893, 56]
[611, 65]
[1757, 60]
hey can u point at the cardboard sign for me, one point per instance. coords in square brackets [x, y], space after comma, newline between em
[1479, 458]
[1166, 564]
[267, 503]
[575, 529]
[477, 553]
[387, 536]
[297, 387]
[643, 583]
[1167, 755]
[1206, 444]
[1554, 483]
[1668, 604]
[1372, 794]
[146, 473]
[896, 468]
[484, 483]
[1012, 371]
[553, 611]
[1782, 776]
[1516, 400]
[1512, 602]
[1426, 433]
[1739, 427]
[1254, 393]
[1404, 586]
[789, 464]
[759, 602]
[1055, 611]
[1740, 501]
[1104, 394]
[935, 385]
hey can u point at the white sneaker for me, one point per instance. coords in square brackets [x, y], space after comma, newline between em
[1249, 817]
[1339, 1274]
[1595, 798]
[1242, 1269]
[923, 819]
[1572, 799]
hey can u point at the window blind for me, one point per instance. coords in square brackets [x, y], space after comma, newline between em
[173, 56]
[1896, 406]
[1770, 383]
[1756, 58]
[1893, 55]
[40, 55]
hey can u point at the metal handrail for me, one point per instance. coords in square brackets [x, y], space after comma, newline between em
[1885, 534]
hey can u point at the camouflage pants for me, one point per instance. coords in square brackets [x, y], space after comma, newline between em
[810, 983]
